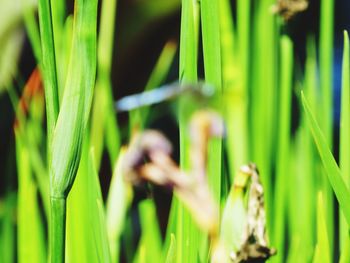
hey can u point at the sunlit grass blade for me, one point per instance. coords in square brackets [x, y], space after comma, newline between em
[326, 38]
[86, 226]
[263, 80]
[48, 67]
[303, 176]
[171, 256]
[283, 151]
[31, 240]
[150, 243]
[333, 172]
[118, 200]
[72, 119]
[235, 92]
[213, 75]
[322, 250]
[210, 25]
[180, 221]
[103, 99]
[344, 155]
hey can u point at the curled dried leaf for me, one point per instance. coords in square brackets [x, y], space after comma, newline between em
[142, 145]
[204, 124]
[243, 230]
[289, 8]
[148, 159]
[254, 244]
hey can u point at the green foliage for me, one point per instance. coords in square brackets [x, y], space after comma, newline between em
[249, 61]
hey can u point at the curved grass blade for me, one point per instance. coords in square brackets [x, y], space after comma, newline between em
[118, 201]
[333, 172]
[48, 67]
[72, 119]
[87, 239]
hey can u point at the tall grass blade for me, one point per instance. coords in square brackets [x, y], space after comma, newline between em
[118, 201]
[171, 255]
[48, 67]
[72, 119]
[180, 221]
[31, 239]
[345, 139]
[283, 151]
[322, 250]
[333, 172]
[326, 85]
[86, 225]
[150, 244]
[213, 75]
[8, 253]
[103, 99]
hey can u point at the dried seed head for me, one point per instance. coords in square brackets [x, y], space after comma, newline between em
[289, 8]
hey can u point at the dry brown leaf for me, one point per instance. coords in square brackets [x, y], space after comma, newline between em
[289, 8]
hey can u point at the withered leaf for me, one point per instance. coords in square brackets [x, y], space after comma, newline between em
[148, 158]
[254, 246]
[289, 8]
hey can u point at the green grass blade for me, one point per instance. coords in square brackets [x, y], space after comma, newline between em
[48, 67]
[31, 240]
[74, 113]
[213, 75]
[180, 221]
[283, 150]
[171, 255]
[72, 119]
[236, 91]
[8, 252]
[118, 200]
[326, 62]
[87, 239]
[345, 139]
[150, 243]
[326, 39]
[322, 250]
[264, 96]
[333, 172]
[103, 92]
[139, 117]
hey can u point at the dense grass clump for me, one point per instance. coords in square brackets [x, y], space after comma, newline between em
[254, 175]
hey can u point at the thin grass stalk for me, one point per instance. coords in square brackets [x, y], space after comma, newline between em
[326, 83]
[49, 68]
[72, 121]
[180, 221]
[264, 93]
[235, 92]
[213, 75]
[345, 140]
[103, 100]
[283, 154]
[332, 170]
[57, 230]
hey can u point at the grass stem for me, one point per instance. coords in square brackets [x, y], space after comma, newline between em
[58, 229]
